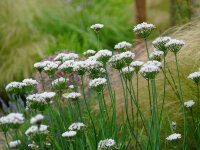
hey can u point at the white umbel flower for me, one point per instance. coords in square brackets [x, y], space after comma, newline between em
[70, 56]
[95, 69]
[154, 63]
[76, 126]
[103, 55]
[69, 134]
[59, 83]
[37, 119]
[60, 57]
[35, 130]
[80, 67]
[98, 84]
[73, 96]
[89, 52]
[14, 144]
[67, 66]
[195, 77]
[40, 65]
[174, 136]
[97, 27]
[106, 144]
[128, 72]
[189, 103]
[136, 65]
[30, 82]
[12, 119]
[144, 29]
[160, 42]
[123, 46]
[156, 55]
[51, 68]
[174, 45]
[149, 71]
[14, 87]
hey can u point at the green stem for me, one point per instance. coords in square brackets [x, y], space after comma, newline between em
[42, 81]
[137, 110]
[6, 140]
[149, 90]
[197, 102]
[146, 48]
[184, 140]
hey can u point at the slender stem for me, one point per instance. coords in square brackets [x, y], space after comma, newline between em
[42, 81]
[184, 140]
[137, 110]
[74, 83]
[146, 48]
[149, 97]
[197, 102]
[98, 41]
[6, 140]
[83, 91]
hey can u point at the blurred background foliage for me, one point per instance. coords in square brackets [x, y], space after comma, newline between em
[31, 29]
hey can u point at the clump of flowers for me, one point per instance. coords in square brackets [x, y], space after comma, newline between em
[98, 84]
[97, 27]
[189, 103]
[70, 56]
[60, 57]
[29, 84]
[37, 119]
[39, 101]
[59, 83]
[123, 46]
[15, 87]
[51, 68]
[77, 126]
[74, 96]
[149, 71]
[153, 62]
[107, 144]
[103, 55]
[174, 45]
[67, 66]
[40, 65]
[89, 53]
[156, 55]
[12, 120]
[160, 42]
[94, 69]
[14, 144]
[174, 136]
[137, 65]
[80, 67]
[121, 60]
[69, 134]
[128, 72]
[195, 77]
[144, 29]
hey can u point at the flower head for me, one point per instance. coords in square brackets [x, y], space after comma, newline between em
[103, 55]
[67, 66]
[80, 67]
[60, 57]
[156, 55]
[14, 144]
[174, 45]
[69, 134]
[51, 68]
[59, 83]
[29, 84]
[128, 72]
[37, 131]
[72, 96]
[123, 46]
[174, 136]
[160, 42]
[195, 77]
[76, 126]
[37, 119]
[144, 29]
[106, 144]
[136, 65]
[189, 103]
[98, 84]
[97, 27]
[95, 69]
[40, 65]
[15, 87]
[70, 56]
[89, 53]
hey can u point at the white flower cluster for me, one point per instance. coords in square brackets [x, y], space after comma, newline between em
[97, 27]
[92, 64]
[14, 144]
[69, 134]
[89, 52]
[137, 64]
[37, 119]
[38, 101]
[59, 82]
[127, 70]
[174, 45]
[103, 55]
[14, 87]
[73, 96]
[76, 126]
[123, 45]
[71, 86]
[106, 144]
[144, 29]
[40, 65]
[160, 42]
[80, 67]
[35, 130]
[156, 55]
[70, 56]
[150, 69]
[97, 82]
[67, 66]
[195, 76]
[174, 136]
[30, 82]
[12, 119]
[50, 68]
[60, 57]
[119, 61]
[189, 103]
